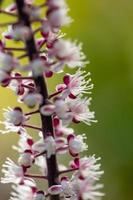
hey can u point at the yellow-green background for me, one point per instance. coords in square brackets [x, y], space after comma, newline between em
[106, 29]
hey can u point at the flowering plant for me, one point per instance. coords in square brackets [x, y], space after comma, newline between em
[45, 57]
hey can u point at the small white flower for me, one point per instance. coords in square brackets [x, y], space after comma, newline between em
[14, 119]
[32, 99]
[26, 159]
[22, 192]
[59, 17]
[62, 109]
[76, 84]
[39, 146]
[67, 188]
[38, 67]
[60, 129]
[14, 116]
[85, 190]
[49, 145]
[20, 33]
[88, 168]
[79, 109]
[6, 62]
[76, 144]
[13, 173]
[68, 53]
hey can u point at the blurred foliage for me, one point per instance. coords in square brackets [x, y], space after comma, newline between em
[106, 29]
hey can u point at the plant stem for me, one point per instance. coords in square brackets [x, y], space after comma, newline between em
[47, 125]
[31, 113]
[33, 127]
[35, 176]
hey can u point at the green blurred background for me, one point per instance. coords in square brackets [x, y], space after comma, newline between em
[106, 29]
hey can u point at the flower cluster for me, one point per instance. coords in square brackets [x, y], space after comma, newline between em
[48, 56]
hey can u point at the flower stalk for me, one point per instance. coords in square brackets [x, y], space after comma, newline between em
[57, 111]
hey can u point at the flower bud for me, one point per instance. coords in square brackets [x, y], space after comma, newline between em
[26, 159]
[55, 189]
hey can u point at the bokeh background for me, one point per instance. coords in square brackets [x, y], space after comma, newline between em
[106, 29]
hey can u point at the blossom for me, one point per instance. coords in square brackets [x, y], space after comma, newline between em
[48, 146]
[14, 120]
[83, 189]
[32, 99]
[17, 33]
[68, 53]
[76, 144]
[13, 173]
[60, 129]
[87, 167]
[75, 84]
[57, 13]
[46, 56]
[14, 116]
[23, 192]
[58, 17]
[7, 62]
[79, 109]
[26, 159]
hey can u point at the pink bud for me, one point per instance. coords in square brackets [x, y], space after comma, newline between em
[66, 79]
[55, 190]
[47, 110]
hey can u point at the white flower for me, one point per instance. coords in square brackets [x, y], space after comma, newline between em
[79, 109]
[88, 168]
[68, 53]
[32, 99]
[20, 33]
[76, 84]
[6, 62]
[26, 159]
[67, 188]
[59, 17]
[39, 146]
[76, 144]
[85, 190]
[13, 173]
[60, 129]
[22, 192]
[14, 119]
[14, 116]
[38, 67]
[49, 145]
[62, 109]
